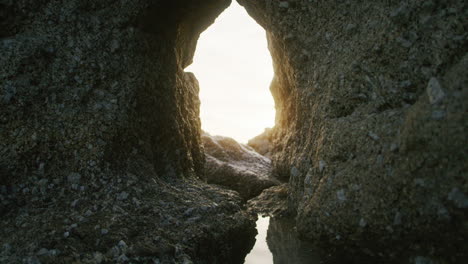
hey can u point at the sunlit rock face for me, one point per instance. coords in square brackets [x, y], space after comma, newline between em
[100, 135]
[236, 166]
[263, 143]
[371, 116]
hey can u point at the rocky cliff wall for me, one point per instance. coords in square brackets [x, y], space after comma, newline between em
[100, 136]
[371, 116]
[88, 85]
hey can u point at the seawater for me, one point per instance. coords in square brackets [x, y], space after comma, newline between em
[260, 253]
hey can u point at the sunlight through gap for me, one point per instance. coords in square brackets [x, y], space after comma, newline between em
[234, 68]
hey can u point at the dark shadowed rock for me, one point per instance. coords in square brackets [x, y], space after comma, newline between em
[371, 100]
[100, 136]
[236, 166]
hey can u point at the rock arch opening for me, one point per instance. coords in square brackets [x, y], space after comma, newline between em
[234, 68]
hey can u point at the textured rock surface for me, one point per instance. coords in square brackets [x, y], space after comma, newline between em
[263, 143]
[271, 202]
[371, 128]
[100, 135]
[236, 166]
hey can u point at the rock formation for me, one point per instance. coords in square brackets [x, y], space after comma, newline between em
[100, 136]
[100, 145]
[263, 143]
[371, 122]
[236, 166]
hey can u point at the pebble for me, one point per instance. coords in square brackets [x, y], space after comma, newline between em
[458, 197]
[104, 231]
[393, 147]
[434, 91]
[122, 196]
[284, 4]
[6, 248]
[98, 257]
[373, 136]
[340, 194]
[362, 222]
[122, 244]
[422, 260]
[189, 211]
[74, 178]
[322, 165]
[397, 219]
[438, 114]
[66, 234]
[42, 251]
[294, 172]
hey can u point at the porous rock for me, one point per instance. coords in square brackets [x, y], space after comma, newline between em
[96, 111]
[363, 102]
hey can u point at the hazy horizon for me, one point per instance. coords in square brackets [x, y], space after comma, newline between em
[234, 68]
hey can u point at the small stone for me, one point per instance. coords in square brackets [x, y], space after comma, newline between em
[394, 147]
[322, 165]
[43, 182]
[54, 252]
[284, 4]
[122, 244]
[42, 252]
[459, 198]
[189, 211]
[66, 234]
[114, 45]
[6, 248]
[104, 231]
[434, 91]
[41, 168]
[98, 257]
[74, 203]
[406, 84]
[294, 172]
[422, 260]
[373, 136]
[340, 194]
[420, 182]
[397, 219]
[362, 222]
[122, 196]
[404, 42]
[438, 114]
[122, 259]
[88, 213]
[74, 178]
[350, 27]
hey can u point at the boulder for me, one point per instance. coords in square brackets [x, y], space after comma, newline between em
[236, 166]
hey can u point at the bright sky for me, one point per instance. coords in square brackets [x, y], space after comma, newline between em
[233, 65]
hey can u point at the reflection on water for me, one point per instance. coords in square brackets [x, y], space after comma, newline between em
[286, 247]
[260, 253]
[277, 242]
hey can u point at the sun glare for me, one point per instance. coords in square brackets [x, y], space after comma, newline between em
[234, 68]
